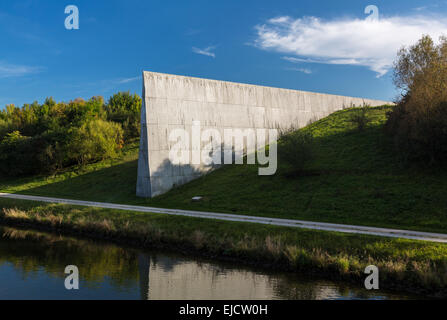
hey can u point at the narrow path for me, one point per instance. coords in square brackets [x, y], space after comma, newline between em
[383, 232]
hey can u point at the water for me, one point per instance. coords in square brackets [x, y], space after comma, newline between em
[32, 266]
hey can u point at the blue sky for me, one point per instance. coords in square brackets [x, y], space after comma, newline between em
[323, 46]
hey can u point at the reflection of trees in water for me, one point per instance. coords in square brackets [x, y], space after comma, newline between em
[144, 267]
[280, 286]
[291, 287]
[125, 268]
[30, 251]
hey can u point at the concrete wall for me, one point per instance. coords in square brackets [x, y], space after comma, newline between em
[171, 102]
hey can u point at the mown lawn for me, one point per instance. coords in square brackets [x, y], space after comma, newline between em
[356, 179]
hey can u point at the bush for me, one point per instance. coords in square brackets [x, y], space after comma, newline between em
[94, 141]
[296, 149]
[418, 124]
[419, 135]
[4, 127]
[16, 155]
[21, 155]
[360, 117]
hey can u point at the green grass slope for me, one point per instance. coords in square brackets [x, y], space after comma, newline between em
[355, 179]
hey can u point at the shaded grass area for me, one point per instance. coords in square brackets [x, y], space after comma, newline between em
[355, 179]
[108, 181]
[413, 266]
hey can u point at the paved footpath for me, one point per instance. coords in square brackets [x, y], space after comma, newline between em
[383, 232]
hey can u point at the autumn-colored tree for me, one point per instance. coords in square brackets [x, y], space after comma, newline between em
[418, 123]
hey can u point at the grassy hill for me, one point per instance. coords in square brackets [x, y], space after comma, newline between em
[355, 179]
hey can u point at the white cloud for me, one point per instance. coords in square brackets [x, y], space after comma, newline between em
[205, 52]
[192, 32]
[368, 43]
[303, 70]
[10, 70]
[420, 8]
[127, 80]
[427, 7]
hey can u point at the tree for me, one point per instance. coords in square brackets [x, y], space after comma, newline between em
[95, 140]
[421, 71]
[125, 109]
[418, 123]
[123, 102]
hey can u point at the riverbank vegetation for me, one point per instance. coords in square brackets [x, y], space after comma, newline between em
[48, 252]
[415, 266]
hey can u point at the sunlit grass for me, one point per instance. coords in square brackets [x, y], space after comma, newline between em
[356, 179]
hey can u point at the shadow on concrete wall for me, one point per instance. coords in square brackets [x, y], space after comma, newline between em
[170, 175]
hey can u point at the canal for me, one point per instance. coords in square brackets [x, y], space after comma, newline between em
[32, 266]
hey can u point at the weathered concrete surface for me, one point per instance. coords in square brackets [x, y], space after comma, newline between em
[172, 102]
[382, 232]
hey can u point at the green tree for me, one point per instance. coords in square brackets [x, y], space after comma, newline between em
[125, 109]
[95, 140]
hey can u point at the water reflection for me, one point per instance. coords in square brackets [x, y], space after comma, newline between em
[32, 267]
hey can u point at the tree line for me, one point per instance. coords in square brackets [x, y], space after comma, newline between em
[44, 138]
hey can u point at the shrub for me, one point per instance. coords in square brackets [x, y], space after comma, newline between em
[296, 149]
[52, 153]
[16, 155]
[95, 140]
[360, 117]
[418, 124]
[419, 135]
[21, 155]
[4, 127]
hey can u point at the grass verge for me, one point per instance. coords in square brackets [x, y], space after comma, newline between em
[411, 266]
